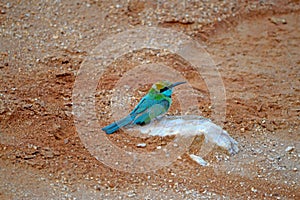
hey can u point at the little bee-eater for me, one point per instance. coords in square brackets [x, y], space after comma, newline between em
[156, 102]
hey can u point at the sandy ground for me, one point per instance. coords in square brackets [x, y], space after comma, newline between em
[255, 47]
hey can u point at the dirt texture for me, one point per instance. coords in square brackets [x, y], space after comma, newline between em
[255, 46]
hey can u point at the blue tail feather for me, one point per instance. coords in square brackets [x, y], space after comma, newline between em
[117, 125]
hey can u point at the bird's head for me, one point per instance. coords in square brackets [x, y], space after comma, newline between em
[165, 87]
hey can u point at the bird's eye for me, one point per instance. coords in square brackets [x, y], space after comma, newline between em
[164, 89]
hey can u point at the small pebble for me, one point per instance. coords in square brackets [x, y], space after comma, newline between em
[295, 169]
[289, 149]
[141, 145]
[277, 21]
[253, 189]
[199, 160]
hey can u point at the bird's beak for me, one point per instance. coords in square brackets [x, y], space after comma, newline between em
[177, 83]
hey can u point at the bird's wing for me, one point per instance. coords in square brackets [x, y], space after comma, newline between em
[148, 102]
[148, 114]
[145, 103]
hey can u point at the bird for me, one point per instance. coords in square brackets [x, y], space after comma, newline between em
[155, 103]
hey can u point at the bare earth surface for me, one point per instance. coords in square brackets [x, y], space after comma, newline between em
[255, 47]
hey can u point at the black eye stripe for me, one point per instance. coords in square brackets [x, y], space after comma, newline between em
[164, 89]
